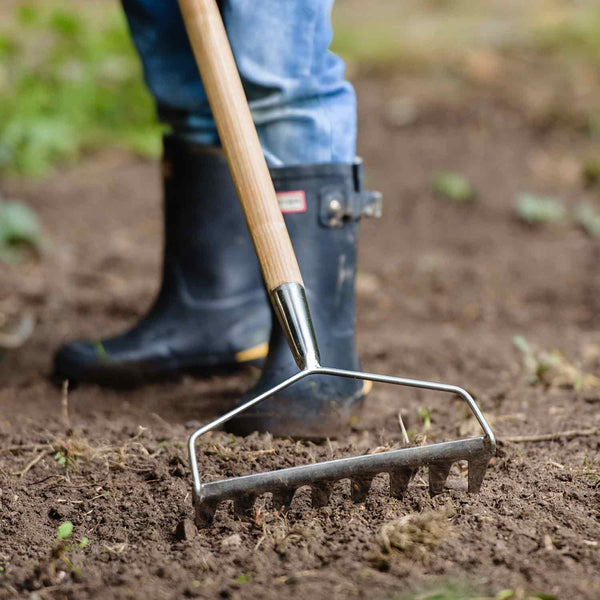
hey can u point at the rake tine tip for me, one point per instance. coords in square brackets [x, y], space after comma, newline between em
[477, 469]
[243, 505]
[204, 512]
[320, 494]
[282, 498]
[438, 473]
[399, 480]
[359, 488]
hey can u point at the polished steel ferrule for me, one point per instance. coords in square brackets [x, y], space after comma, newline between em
[291, 308]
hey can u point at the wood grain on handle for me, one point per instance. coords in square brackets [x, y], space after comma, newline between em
[240, 142]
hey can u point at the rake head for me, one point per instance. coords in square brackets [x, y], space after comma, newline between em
[289, 302]
[401, 465]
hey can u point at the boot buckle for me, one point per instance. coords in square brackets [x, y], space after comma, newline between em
[339, 207]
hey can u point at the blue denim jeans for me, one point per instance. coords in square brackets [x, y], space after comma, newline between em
[303, 108]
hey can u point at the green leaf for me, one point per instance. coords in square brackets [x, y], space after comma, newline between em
[589, 219]
[540, 209]
[73, 83]
[453, 186]
[65, 22]
[27, 14]
[19, 225]
[425, 415]
[83, 542]
[60, 458]
[64, 530]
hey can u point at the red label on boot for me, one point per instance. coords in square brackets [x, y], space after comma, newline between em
[292, 202]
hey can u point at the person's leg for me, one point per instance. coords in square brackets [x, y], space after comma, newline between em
[305, 114]
[170, 69]
[303, 108]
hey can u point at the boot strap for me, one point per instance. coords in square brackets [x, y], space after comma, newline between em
[340, 205]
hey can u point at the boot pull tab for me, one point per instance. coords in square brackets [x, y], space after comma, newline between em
[340, 205]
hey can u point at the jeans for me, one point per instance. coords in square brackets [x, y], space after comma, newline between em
[304, 110]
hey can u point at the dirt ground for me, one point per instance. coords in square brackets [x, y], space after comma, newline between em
[443, 289]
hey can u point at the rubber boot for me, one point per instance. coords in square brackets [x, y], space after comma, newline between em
[322, 205]
[211, 313]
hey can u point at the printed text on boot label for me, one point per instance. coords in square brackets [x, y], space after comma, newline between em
[292, 202]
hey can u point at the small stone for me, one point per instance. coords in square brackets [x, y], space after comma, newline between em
[233, 541]
[185, 530]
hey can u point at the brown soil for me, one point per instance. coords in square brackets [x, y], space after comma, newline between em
[443, 288]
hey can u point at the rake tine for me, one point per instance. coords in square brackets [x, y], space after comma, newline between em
[399, 480]
[282, 498]
[438, 473]
[359, 488]
[205, 512]
[320, 494]
[243, 505]
[477, 469]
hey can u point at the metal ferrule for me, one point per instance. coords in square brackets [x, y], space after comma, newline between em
[291, 308]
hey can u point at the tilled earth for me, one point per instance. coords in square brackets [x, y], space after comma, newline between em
[443, 288]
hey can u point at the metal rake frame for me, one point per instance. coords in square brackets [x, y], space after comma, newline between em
[400, 464]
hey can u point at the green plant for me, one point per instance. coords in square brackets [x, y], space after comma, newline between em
[425, 416]
[589, 219]
[64, 530]
[19, 230]
[63, 550]
[539, 210]
[70, 81]
[453, 186]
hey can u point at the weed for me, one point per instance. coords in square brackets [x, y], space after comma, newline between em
[453, 186]
[425, 416]
[589, 219]
[553, 370]
[64, 530]
[64, 549]
[69, 451]
[19, 230]
[589, 472]
[539, 210]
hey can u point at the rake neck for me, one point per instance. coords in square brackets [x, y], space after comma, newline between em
[291, 307]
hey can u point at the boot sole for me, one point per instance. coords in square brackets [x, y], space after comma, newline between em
[132, 376]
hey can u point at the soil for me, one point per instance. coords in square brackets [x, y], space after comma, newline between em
[443, 288]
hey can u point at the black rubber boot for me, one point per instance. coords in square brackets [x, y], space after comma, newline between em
[211, 312]
[323, 205]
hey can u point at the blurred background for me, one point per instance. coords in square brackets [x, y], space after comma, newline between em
[71, 93]
[70, 81]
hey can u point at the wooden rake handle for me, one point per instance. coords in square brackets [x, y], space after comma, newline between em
[240, 142]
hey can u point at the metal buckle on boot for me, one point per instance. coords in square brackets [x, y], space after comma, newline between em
[339, 206]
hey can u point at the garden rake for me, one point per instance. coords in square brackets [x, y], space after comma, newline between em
[286, 292]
